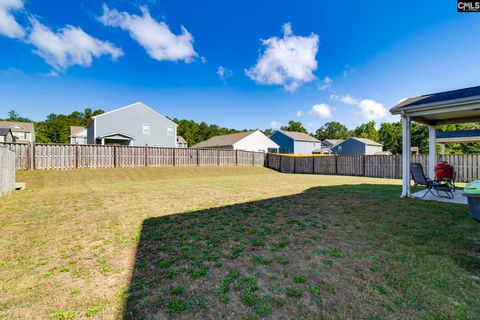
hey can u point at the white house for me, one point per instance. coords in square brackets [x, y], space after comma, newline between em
[78, 135]
[248, 141]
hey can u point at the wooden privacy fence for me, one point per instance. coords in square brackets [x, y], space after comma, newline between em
[7, 170]
[70, 156]
[467, 166]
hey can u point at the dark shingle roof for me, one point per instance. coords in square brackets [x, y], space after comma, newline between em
[458, 134]
[299, 136]
[223, 141]
[4, 131]
[438, 97]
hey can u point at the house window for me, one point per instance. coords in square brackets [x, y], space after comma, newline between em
[339, 149]
[146, 129]
[169, 131]
[19, 135]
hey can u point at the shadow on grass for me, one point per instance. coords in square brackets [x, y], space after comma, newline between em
[236, 261]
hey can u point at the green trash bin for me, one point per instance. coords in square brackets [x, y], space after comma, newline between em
[472, 192]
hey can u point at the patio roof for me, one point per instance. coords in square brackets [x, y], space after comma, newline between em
[456, 106]
[459, 136]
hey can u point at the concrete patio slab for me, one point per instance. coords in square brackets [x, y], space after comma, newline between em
[458, 197]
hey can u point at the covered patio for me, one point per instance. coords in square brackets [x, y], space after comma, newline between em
[457, 106]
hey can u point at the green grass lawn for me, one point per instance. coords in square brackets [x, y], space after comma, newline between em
[231, 243]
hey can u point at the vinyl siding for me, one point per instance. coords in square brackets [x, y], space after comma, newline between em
[130, 121]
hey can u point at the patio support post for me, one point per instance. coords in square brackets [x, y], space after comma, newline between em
[432, 151]
[406, 156]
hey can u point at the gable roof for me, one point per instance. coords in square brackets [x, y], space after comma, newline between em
[25, 126]
[332, 142]
[75, 129]
[130, 106]
[436, 98]
[5, 131]
[224, 140]
[368, 142]
[299, 136]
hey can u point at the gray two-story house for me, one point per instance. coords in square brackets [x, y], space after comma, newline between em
[134, 125]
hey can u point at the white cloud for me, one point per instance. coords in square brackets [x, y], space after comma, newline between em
[289, 61]
[347, 99]
[8, 25]
[321, 110]
[300, 113]
[325, 84]
[155, 37]
[372, 110]
[224, 73]
[275, 124]
[368, 109]
[68, 46]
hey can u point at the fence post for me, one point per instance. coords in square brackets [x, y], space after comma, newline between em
[115, 156]
[33, 155]
[174, 157]
[146, 156]
[280, 164]
[294, 164]
[253, 159]
[218, 157]
[77, 156]
[198, 157]
[313, 164]
[336, 164]
[236, 158]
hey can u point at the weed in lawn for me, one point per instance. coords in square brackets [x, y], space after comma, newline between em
[177, 290]
[328, 262]
[104, 266]
[165, 263]
[92, 311]
[264, 309]
[294, 292]
[235, 252]
[257, 259]
[250, 299]
[313, 289]
[176, 306]
[62, 315]
[256, 242]
[282, 260]
[284, 242]
[224, 298]
[299, 278]
[227, 281]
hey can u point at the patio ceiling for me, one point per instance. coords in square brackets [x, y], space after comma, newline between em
[457, 106]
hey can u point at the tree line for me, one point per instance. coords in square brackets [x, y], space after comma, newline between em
[56, 129]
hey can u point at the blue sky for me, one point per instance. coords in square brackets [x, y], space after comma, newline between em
[239, 64]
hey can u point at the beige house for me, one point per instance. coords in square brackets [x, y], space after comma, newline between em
[78, 135]
[24, 132]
